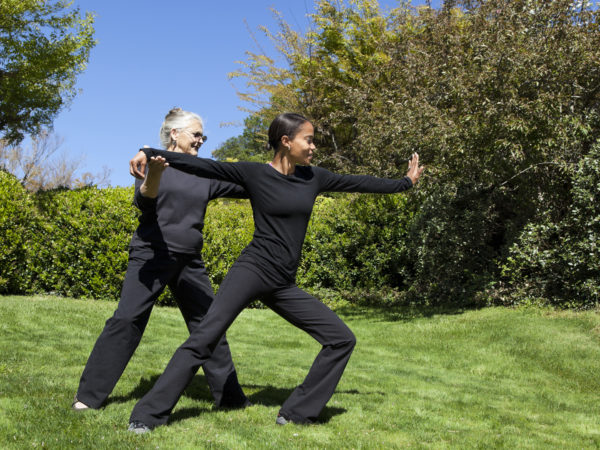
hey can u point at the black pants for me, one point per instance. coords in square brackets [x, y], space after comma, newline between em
[240, 287]
[147, 275]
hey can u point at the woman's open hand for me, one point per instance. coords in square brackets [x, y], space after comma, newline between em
[158, 164]
[414, 171]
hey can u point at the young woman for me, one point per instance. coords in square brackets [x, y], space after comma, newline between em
[164, 250]
[282, 194]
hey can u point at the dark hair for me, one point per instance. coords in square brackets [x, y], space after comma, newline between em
[286, 124]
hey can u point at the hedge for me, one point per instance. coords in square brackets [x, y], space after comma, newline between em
[17, 230]
[74, 243]
[81, 250]
[440, 249]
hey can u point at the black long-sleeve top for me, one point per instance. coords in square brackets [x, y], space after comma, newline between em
[174, 220]
[281, 204]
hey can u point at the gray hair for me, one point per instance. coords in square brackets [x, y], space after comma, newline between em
[176, 119]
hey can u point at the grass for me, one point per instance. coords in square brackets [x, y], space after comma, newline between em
[493, 378]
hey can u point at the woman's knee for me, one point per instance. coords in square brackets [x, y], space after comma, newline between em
[351, 339]
[345, 339]
[127, 325]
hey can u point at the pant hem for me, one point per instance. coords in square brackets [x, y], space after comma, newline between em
[295, 418]
[89, 404]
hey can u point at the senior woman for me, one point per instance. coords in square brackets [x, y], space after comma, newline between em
[282, 194]
[165, 251]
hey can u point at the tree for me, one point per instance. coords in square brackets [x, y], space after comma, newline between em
[44, 45]
[251, 145]
[500, 97]
[339, 62]
[40, 167]
[488, 78]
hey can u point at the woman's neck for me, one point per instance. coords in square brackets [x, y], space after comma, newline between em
[282, 164]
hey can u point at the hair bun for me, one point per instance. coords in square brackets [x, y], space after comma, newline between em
[174, 111]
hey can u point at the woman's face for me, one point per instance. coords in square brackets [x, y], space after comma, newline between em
[301, 148]
[189, 139]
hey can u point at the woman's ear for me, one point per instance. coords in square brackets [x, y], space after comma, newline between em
[285, 140]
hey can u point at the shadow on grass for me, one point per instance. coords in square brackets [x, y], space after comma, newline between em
[138, 392]
[186, 413]
[395, 313]
[198, 390]
[273, 396]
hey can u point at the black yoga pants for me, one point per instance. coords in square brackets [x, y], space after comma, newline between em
[239, 288]
[148, 273]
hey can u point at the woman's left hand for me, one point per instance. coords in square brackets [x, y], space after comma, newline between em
[414, 171]
[137, 165]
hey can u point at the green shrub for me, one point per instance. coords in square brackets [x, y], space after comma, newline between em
[18, 224]
[497, 96]
[453, 245]
[228, 228]
[82, 248]
[354, 247]
[557, 259]
[356, 243]
[74, 243]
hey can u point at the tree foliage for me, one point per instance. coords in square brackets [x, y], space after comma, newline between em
[249, 146]
[559, 259]
[40, 167]
[500, 97]
[44, 45]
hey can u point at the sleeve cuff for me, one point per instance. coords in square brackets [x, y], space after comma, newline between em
[149, 152]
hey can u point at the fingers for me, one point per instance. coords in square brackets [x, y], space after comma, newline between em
[413, 161]
[419, 169]
[137, 166]
[158, 162]
[134, 170]
[139, 169]
[414, 171]
[158, 159]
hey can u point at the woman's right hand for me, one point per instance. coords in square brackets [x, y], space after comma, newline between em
[157, 164]
[137, 165]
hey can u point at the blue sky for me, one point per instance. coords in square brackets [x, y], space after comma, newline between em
[152, 56]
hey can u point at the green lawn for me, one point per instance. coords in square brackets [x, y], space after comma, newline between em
[494, 378]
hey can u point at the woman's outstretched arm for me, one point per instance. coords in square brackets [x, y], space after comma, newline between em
[330, 181]
[202, 167]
